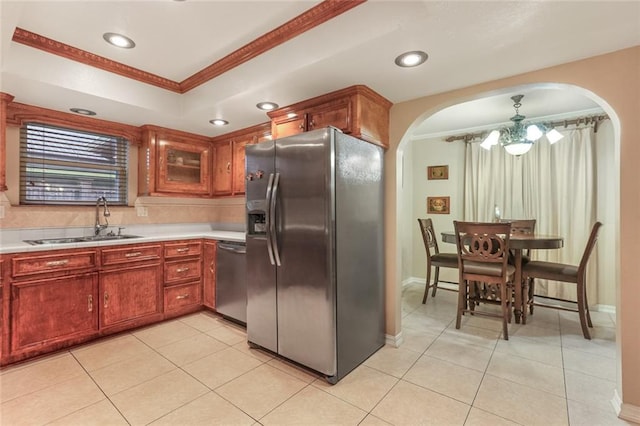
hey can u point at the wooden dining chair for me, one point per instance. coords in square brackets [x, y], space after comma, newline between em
[434, 257]
[485, 273]
[570, 274]
[521, 226]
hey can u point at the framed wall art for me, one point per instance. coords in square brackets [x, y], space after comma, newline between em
[437, 172]
[438, 205]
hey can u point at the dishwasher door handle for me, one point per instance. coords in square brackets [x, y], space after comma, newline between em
[232, 248]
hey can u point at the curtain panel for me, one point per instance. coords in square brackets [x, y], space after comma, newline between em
[554, 184]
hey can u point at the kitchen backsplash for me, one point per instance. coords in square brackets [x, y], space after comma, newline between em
[149, 212]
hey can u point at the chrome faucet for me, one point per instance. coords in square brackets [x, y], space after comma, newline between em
[106, 213]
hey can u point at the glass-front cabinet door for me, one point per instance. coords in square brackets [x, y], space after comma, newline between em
[184, 168]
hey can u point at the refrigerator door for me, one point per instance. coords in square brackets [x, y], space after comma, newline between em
[261, 271]
[305, 225]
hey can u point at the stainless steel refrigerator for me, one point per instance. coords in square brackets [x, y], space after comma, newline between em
[315, 256]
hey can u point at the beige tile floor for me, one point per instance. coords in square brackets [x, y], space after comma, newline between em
[198, 370]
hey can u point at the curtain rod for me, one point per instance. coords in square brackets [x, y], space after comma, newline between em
[593, 120]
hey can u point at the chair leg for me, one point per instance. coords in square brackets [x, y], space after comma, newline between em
[525, 300]
[427, 285]
[462, 303]
[581, 308]
[505, 304]
[531, 293]
[586, 305]
[436, 277]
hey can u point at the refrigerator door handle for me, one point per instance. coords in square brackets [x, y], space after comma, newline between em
[268, 220]
[274, 231]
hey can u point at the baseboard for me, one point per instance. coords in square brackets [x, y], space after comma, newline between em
[608, 309]
[420, 281]
[394, 341]
[624, 411]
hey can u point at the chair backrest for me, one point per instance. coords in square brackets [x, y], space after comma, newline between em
[591, 243]
[428, 236]
[482, 243]
[521, 226]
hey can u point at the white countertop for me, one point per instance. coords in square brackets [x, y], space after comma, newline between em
[12, 241]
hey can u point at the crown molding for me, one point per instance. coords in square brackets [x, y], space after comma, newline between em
[302, 23]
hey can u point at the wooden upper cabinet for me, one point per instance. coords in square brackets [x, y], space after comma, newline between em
[355, 110]
[229, 158]
[173, 162]
[222, 173]
[289, 125]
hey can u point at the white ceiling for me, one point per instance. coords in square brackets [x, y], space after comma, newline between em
[468, 42]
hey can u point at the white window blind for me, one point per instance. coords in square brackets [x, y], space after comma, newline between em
[67, 166]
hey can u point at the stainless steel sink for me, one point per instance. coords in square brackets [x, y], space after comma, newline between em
[68, 240]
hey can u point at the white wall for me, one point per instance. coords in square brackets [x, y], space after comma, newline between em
[607, 213]
[434, 152]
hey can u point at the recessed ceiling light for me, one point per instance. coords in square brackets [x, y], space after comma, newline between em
[267, 106]
[411, 59]
[82, 111]
[119, 40]
[218, 122]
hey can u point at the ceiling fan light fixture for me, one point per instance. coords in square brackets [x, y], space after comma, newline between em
[267, 106]
[533, 133]
[119, 40]
[411, 59]
[490, 140]
[553, 136]
[82, 111]
[518, 148]
[218, 122]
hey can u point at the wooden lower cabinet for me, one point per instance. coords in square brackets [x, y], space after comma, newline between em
[46, 304]
[48, 313]
[209, 274]
[179, 297]
[182, 277]
[130, 296]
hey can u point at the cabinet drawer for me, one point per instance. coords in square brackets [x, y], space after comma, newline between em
[179, 296]
[186, 248]
[182, 270]
[55, 262]
[134, 253]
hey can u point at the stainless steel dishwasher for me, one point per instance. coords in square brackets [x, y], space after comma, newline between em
[231, 281]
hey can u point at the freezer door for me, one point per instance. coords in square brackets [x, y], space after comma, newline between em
[261, 272]
[305, 227]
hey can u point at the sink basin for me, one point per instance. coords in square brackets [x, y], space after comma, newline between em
[68, 240]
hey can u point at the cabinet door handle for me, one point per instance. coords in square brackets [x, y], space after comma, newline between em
[134, 254]
[90, 303]
[301, 126]
[183, 250]
[54, 263]
[105, 299]
[182, 296]
[311, 124]
[180, 270]
[212, 266]
[229, 167]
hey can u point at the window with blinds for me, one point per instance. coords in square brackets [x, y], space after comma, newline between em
[72, 167]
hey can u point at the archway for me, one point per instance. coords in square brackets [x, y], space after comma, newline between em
[406, 141]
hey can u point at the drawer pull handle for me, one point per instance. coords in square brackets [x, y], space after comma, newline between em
[54, 263]
[90, 303]
[182, 296]
[229, 167]
[183, 250]
[185, 269]
[134, 254]
[106, 299]
[212, 266]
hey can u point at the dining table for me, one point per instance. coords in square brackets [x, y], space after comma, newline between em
[518, 242]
